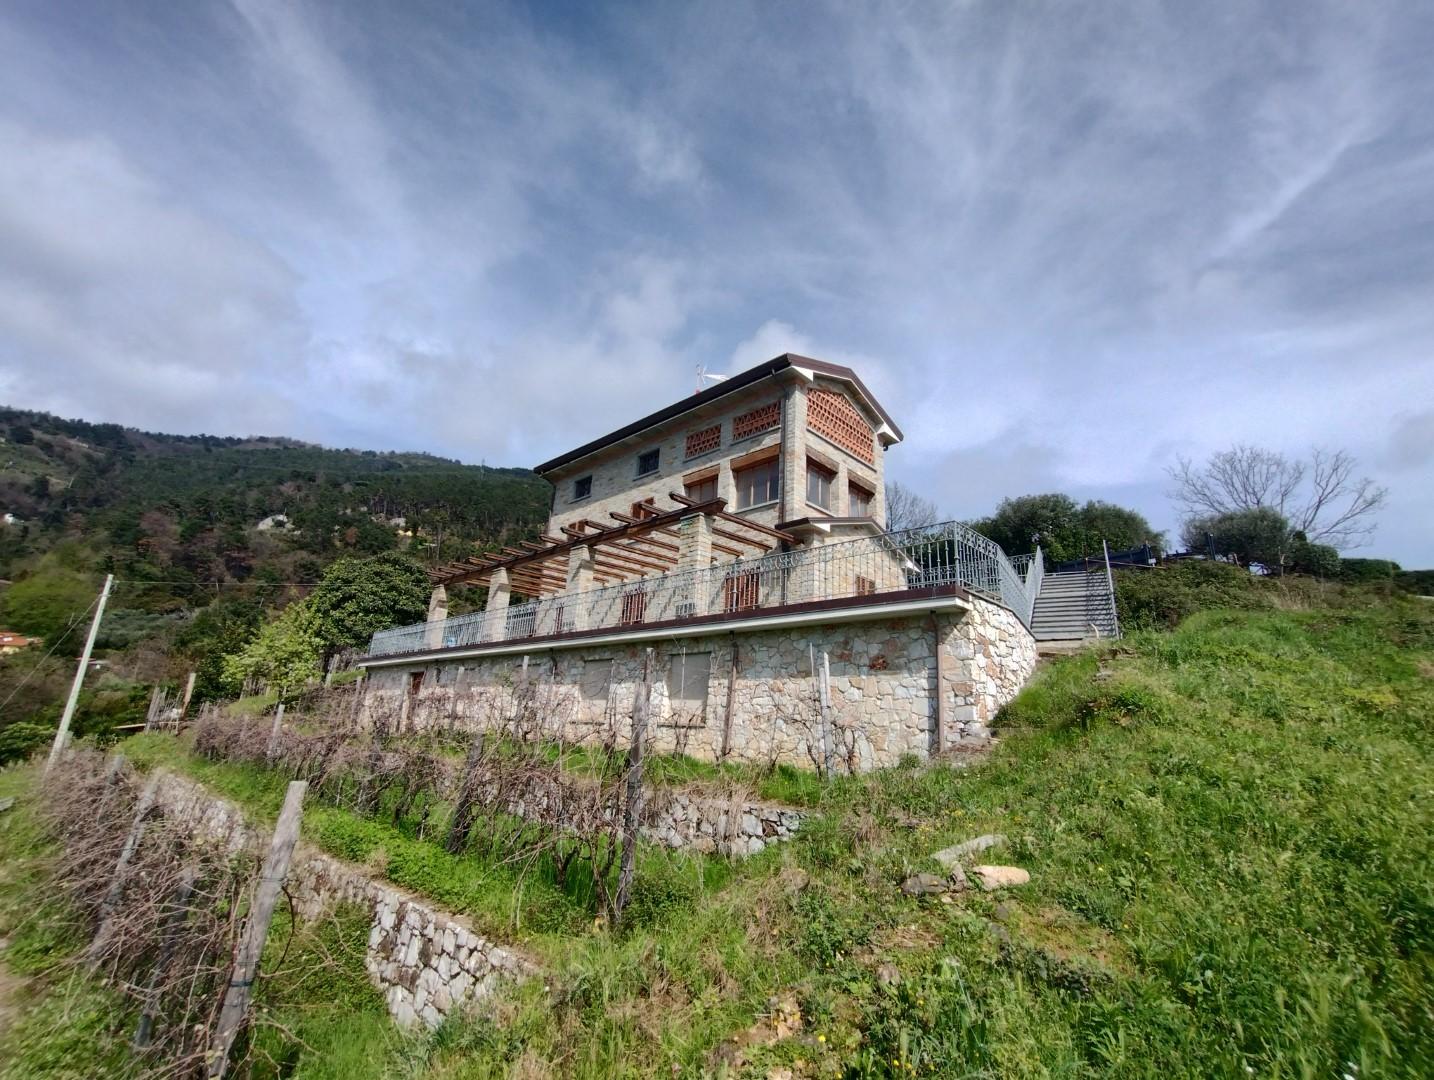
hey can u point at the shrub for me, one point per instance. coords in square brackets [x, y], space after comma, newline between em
[1358, 570]
[1159, 599]
[19, 741]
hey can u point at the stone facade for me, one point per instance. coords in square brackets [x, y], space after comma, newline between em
[426, 962]
[892, 681]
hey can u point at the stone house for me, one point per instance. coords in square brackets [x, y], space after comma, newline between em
[732, 546]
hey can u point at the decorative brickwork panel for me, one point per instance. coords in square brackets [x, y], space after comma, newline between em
[833, 417]
[763, 418]
[704, 441]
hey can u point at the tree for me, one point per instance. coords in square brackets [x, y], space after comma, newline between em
[907, 510]
[359, 596]
[1064, 529]
[1321, 498]
[284, 654]
[1260, 536]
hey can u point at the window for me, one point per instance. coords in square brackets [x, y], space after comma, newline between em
[819, 485]
[634, 607]
[761, 483]
[688, 675]
[647, 462]
[858, 501]
[703, 490]
[596, 676]
[742, 590]
[582, 487]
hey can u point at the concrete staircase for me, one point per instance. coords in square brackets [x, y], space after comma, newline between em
[1074, 606]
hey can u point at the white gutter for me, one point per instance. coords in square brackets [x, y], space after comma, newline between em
[770, 622]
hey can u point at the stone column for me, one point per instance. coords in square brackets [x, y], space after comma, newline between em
[794, 452]
[574, 615]
[437, 613]
[695, 554]
[495, 624]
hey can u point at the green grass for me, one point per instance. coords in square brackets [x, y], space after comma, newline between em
[317, 1017]
[774, 783]
[1228, 829]
[517, 901]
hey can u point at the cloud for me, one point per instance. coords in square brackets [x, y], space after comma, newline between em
[113, 297]
[1061, 251]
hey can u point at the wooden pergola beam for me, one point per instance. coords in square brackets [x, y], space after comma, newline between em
[739, 538]
[736, 519]
[603, 537]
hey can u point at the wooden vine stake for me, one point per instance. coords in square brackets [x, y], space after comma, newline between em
[632, 803]
[111, 900]
[256, 929]
[272, 750]
[826, 704]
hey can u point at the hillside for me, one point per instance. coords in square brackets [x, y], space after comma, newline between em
[203, 533]
[191, 503]
[1228, 835]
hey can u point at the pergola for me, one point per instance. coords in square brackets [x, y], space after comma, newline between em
[638, 545]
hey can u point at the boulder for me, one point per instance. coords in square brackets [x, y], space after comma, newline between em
[1000, 877]
[924, 885]
[949, 857]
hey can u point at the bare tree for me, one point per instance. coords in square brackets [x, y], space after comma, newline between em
[907, 510]
[1320, 497]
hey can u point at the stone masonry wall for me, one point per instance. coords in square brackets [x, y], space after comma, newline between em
[427, 962]
[883, 688]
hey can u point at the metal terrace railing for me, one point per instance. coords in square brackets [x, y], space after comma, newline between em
[949, 554]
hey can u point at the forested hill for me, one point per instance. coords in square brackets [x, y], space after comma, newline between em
[189, 507]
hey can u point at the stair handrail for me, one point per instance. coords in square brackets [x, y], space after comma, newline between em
[1110, 584]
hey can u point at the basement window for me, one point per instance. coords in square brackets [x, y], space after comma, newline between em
[688, 675]
[647, 462]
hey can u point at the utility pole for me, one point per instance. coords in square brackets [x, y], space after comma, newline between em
[62, 735]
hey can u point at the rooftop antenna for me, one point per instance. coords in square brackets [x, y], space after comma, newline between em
[704, 376]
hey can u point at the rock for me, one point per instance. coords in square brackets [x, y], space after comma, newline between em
[6, 803]
[1000, 877]
[888, 974]
[924, 885]
[949, 857]
[1002, 912]
[957, 878]
[793, 880]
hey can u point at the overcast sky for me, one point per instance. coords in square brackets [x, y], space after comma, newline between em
[1064, 243]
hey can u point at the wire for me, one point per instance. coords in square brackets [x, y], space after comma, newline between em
[207, 584]
[68, 630]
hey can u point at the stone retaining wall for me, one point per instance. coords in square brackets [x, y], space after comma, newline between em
[427, 962]
[885, 695]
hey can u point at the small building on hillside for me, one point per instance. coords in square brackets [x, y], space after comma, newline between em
[733, 546]
[11, 642]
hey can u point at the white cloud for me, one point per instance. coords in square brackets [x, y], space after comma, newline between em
[1060, 250]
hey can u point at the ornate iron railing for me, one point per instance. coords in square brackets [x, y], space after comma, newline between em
[925, 558]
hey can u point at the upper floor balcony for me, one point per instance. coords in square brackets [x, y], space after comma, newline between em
[889, 571]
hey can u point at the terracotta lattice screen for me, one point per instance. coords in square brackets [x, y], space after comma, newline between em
[762, 418]
[704, 441]
[833, 417]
